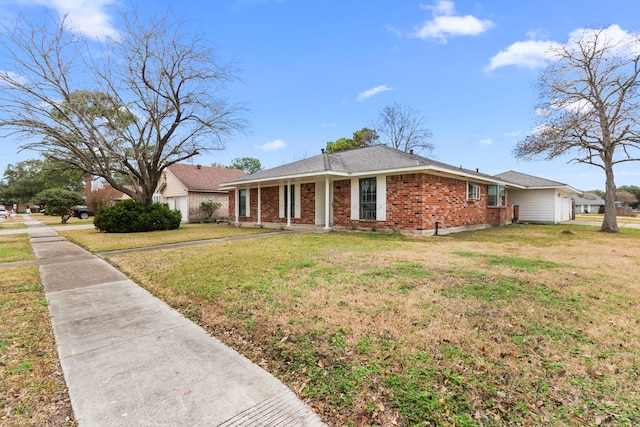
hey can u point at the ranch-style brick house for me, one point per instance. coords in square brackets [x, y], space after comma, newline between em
[371, 188]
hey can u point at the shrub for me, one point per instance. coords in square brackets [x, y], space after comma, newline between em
[130, 216]
[58, 201]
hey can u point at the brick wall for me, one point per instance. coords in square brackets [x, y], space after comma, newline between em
[414, 202]
[418, 201]
[271, 205]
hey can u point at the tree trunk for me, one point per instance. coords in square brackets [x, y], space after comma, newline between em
[610, 221]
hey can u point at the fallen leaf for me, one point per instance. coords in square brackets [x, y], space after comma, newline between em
[579, 419]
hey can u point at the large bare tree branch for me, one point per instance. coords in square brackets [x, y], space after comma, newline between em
[590, 99]
[404, 128]
[129, 106]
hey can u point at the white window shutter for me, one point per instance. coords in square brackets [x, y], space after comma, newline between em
[297, 201]
[381, 198]
[281, 204]
[355, 199]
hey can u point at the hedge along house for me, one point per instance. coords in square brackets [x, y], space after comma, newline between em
[539, 200]
[184, 187]
[370, 188]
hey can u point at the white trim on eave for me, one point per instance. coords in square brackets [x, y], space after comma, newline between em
[440, 171]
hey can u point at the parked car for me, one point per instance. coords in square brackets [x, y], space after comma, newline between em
[3, 212]
[81, 212]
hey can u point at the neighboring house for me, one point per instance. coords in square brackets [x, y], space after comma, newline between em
[588, 205]
[539, 200]
[185, 187]
[370, 188]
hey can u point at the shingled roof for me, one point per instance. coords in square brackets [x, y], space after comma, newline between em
[376, 159]
[528, 181]
[203, 178]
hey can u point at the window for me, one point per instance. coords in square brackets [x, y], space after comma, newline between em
[368, 198]
[496, 195]
[290, 190]
[473, 191]
[242, 202]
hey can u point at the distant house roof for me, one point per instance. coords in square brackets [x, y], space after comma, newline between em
[358, 162]
[199, 178]
[532, 182]
[591, 202]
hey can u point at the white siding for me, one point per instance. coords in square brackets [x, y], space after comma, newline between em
[548, 206]
[182, 204]
[535, 205]
[173, 186]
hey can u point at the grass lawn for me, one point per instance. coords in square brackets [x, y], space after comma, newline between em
[15, 247]
[54, 220]
[32, 387]
[521, 325]
[597, 218]
[96, 241]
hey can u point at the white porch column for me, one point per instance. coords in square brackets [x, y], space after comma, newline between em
[236, 202]
[327, 204]
[288, 207]
[259, 205]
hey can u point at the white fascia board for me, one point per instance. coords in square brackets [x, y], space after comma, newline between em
[303, 177]
[454, 173]
[438, 171]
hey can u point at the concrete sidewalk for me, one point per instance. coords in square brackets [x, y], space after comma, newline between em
[130, 360]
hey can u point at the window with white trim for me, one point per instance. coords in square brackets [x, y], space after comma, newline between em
[289, 191]
[496, 195]
[473, 191]
[242, 202]
[368, 198]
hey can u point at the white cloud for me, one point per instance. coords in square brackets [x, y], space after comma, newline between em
[528, 54]
[374, 91]
[86, 17]
[11, 76]
[486, 141]
[512, 134]
[446, 24]
[538, 53]
[620, 41]
[276, 144]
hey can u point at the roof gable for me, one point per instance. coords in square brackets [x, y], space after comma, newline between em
[203, 178]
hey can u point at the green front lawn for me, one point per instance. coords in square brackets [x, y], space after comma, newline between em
[521, 325]
[96, 241]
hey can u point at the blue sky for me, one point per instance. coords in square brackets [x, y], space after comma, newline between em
[315, 71]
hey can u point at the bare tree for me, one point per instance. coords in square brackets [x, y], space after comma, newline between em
[129, 106]
[403, 128]
[589, 106]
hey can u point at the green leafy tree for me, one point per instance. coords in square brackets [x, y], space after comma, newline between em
[364, 137]
[247, 164]
[59, 201]
[23, 180]
[126, 107]
[589, 104]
